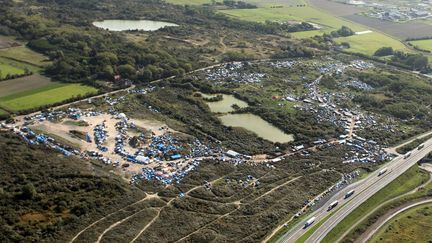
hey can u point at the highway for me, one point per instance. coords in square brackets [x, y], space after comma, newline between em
[364, 189]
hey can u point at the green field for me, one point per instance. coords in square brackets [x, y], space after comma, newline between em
[423, 44]
[189, 2]
[370, 42]
[24, 54]
[43, 96]
[308, 14]
[403, 184]
[413, 225]
[366, 43]
[12, 67]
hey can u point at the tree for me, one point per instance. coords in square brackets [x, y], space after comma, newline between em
[126, 70]
[384, 51]
[28, 191]
[344, 31]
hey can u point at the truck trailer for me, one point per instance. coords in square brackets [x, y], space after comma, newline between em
[382, 172]
[309, 222]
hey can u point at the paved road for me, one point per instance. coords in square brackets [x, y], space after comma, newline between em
[363, 190]
[383, 222]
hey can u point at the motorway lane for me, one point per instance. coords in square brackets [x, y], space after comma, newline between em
[394, 170]
[395, 167]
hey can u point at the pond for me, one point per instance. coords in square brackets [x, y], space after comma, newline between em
[224, 105]
[122, 25]
[257, 125]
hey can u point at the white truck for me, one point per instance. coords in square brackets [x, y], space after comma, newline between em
[332, 205]
[407, 155]
[349, 194]
[309, 222]
[382, 172]
[421, 146]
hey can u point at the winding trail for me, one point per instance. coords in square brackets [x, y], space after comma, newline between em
[97, 221]
[168, 204]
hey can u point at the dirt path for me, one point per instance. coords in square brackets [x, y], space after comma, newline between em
[168, 204]
[147, 197]
[277, 187]
[222, 44]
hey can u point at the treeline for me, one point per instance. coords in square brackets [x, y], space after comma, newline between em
[237, 4]
[416, 62]
[13, 76]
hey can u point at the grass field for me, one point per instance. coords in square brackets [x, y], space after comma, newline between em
[189, 2]
[423, 44]
[12, 67]
[24, 54]
[308, 14]
[18, 85]
[413, 225]
[369, 43]
[47, 95]
[404, 183]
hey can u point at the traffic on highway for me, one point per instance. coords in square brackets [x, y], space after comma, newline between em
[348, 199]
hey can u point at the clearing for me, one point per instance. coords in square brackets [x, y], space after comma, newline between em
[46, 95]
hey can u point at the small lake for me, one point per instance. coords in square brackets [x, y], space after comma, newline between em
[257, 125]
[122, 25]
[225, 105]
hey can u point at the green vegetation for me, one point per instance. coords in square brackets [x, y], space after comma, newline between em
[413, 145]
[44, 96]
[47, 197]
[370, 42]
[422, 44]
[404, 183]
[190, 2]
[11, 69]
[411, 225]
[24, 54]
[27, 83]
[312, 229]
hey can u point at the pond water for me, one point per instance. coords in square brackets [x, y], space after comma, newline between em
[122, 25]
[225, 105]
[257, 125]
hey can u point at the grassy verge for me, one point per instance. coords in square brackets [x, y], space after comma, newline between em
[414, 144]
[415, 223]
[404, 183]
[308, 233]
[365, 224]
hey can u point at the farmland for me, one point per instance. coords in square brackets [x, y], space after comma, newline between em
[24, 54]
[370, 42]
[398, 30]
[423, 44]
[367, 43]
[46, 95]
[189, 2]
[10, 67]
[18, 85]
